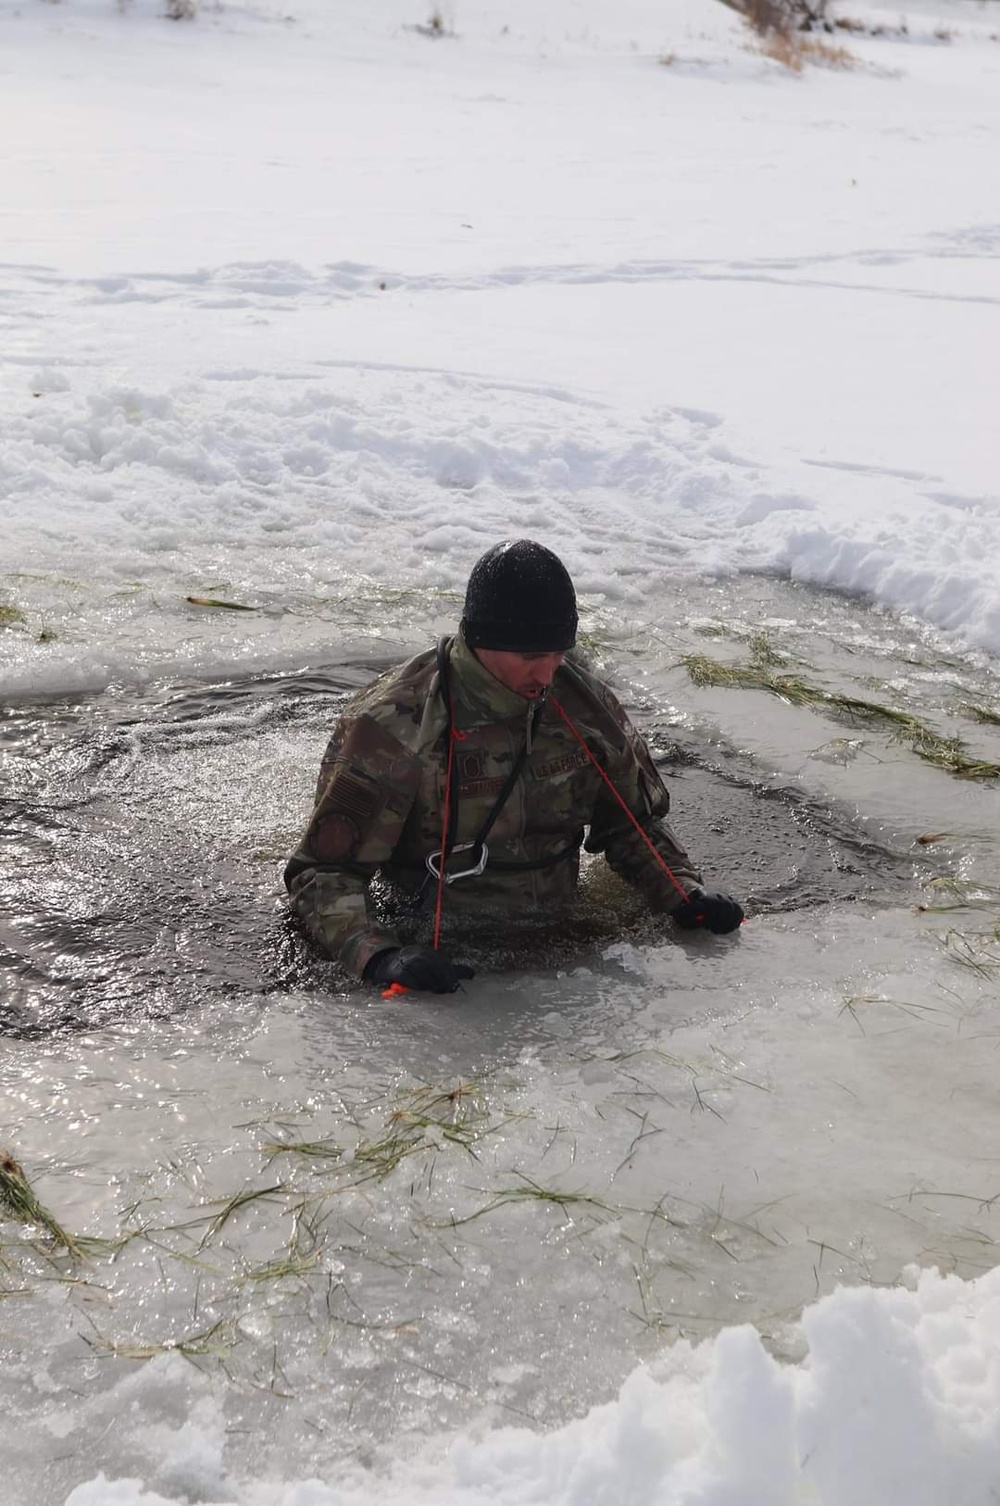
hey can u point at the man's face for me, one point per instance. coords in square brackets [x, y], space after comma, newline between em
[527, 674]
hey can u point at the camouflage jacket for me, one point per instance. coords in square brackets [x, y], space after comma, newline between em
[380, 797]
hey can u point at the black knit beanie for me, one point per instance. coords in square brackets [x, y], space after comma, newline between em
[520, 599]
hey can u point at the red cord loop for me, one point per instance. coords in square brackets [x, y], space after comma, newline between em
[652, 847]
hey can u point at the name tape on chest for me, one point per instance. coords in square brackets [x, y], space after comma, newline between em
[564, 765]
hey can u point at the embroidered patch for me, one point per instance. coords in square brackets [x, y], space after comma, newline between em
[352, 795]
[471, 766]
[482, 787]
[560, 765]
[336, 838]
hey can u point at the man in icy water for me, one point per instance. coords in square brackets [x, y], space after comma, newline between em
[495, 758]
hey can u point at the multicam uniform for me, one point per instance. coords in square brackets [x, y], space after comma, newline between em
[380, 798]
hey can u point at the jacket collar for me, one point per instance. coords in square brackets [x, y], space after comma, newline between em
[480, 693]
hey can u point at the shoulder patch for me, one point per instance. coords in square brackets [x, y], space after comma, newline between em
[351, 794]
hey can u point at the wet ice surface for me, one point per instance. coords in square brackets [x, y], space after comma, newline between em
[500, 1202]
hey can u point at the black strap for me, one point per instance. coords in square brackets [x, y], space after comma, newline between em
[504, 795]
[533, 865]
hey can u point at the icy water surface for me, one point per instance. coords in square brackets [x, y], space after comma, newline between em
[332, 1221]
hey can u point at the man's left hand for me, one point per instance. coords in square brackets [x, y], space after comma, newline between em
[709, 909]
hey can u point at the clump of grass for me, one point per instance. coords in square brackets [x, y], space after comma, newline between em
[10, 615]
[320, 1150]
[786, 29]
[828, 55]
[382, 602]
[781, 48]
[291, 1263]
[980, 960]
[532, 1192]
[948, 753]
[306, 1242]
[924, 1013]
[763, 652]
[981, 713]
[212, 1223]
[17, 1196]
[793, 51]
[232, 1205]
[425, 1119]
[706, 672]
[214, 1341]
[710, 1074]
[457, 1112]
[949, 892]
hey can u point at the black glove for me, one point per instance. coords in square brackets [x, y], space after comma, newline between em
[709, 908]
[418, 967]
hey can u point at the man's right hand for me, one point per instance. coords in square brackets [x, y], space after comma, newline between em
[710, 908]
[416, 967]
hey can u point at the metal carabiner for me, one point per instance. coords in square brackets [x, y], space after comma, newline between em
[434, 860]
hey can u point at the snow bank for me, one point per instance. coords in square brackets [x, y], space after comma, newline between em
[896, 1404]
[294, 490]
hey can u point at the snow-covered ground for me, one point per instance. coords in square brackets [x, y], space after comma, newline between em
[301, 308]
[316, 305]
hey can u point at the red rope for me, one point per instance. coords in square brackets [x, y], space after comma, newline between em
[455, 737]
[652, 847]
